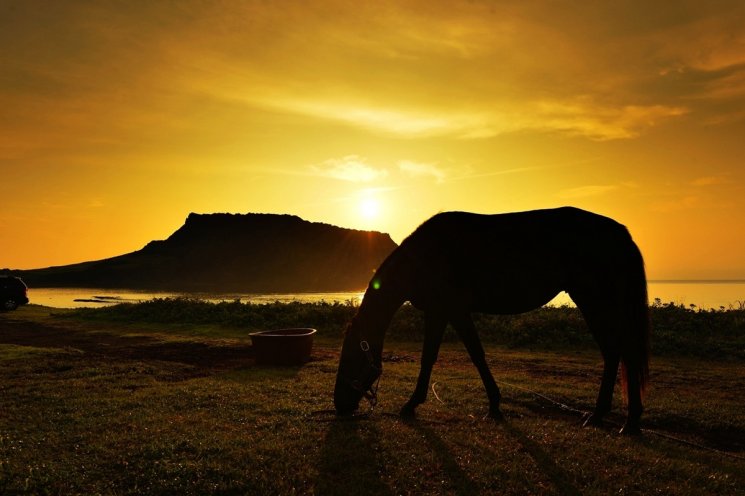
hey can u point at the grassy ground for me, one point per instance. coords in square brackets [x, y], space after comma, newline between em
[116, 406]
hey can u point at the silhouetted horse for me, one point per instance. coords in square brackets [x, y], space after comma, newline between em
[457, 263]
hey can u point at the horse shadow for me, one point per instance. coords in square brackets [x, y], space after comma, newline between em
[461, 483]
[351, 460]
[561, 481]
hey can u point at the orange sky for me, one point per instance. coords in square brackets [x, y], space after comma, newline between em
[117, 119]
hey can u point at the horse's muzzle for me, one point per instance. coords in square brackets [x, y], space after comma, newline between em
[346, 399]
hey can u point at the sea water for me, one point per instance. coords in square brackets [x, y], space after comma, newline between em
[694, 294]
[93, 297]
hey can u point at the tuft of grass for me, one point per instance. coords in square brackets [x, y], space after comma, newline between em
[13, 352]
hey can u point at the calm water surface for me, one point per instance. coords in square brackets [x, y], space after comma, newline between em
[702, 294]
[93, 297]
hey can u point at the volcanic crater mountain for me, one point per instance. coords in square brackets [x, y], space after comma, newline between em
[236, 252]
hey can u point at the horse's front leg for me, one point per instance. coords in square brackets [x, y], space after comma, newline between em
[434, 328]
[463, 324]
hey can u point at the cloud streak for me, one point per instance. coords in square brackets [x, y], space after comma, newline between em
[351, 168]
[586, 191]
[418, 169]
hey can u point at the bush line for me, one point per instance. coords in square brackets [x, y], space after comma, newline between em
[676, 329]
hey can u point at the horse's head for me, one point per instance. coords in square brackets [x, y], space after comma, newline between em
[359, 368]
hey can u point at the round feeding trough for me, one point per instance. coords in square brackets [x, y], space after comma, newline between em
[283, 346]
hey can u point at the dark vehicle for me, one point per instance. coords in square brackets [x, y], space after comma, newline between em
[13, 293]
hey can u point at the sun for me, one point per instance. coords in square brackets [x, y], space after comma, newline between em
[369, 208]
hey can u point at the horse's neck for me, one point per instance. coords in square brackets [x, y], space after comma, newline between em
[375, 315]
[385, 295]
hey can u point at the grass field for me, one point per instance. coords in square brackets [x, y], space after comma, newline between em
[98, 403]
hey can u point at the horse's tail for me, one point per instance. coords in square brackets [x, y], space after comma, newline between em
[635, 340]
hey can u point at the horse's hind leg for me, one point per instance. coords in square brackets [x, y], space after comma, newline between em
[434, 328]
[607, 325]
[599, 320]
[604, 402]
[463, 325]
[633, 388]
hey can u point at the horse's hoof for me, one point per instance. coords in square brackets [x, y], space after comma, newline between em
[407, 412]
[495, 414]
[630, 430]
[593, 421]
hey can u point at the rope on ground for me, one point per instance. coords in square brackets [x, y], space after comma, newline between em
[543, 396]
[693, 445]
[434, 391]
[557, 403]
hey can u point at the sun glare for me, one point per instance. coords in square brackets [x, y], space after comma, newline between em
[369, 208]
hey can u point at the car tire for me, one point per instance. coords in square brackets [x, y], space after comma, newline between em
[9, 305]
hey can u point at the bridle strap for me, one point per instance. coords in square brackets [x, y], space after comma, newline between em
[371, 392]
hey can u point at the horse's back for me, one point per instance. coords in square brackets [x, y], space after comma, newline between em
[564, 229]
[519, 259]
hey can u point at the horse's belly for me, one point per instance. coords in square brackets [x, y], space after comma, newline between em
[514, 298]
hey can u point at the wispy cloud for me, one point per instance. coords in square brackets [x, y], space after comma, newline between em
[585, 117]
[586, 191]
[709, 181]
[384, 116]
[352, 168]
[419, 169]
[500, 172]
[685, 202]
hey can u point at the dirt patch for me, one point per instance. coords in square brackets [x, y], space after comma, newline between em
[202, 355]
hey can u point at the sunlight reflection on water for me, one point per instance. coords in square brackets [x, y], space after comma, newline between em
[702, 294]
[92, 297]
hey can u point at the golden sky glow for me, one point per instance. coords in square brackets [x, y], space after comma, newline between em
[117, 119]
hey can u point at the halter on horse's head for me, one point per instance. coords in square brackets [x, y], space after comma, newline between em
[359, 370]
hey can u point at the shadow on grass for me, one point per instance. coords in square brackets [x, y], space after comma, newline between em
[558, 477]
[720, 436]
[673, 444]
[459, 482]
[351, 460]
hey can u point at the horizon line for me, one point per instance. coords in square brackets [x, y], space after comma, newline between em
[713, 281]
